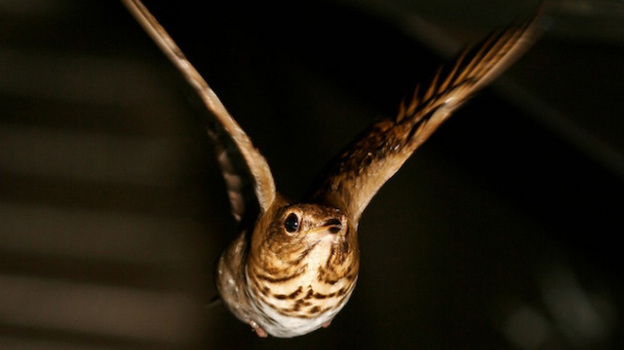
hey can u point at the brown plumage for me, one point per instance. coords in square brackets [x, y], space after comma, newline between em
[353, 178]
[295, 264]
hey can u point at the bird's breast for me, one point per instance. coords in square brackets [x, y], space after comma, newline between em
[308, 297]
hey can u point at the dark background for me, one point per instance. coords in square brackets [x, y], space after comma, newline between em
[501, 232]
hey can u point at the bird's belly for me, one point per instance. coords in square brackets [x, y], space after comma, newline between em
[300, 306]
[301, 315]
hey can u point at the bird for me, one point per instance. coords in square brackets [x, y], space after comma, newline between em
[295, 263]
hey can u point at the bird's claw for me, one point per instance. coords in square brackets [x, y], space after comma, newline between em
[256, 328]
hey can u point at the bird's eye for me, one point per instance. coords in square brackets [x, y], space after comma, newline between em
[291, 224]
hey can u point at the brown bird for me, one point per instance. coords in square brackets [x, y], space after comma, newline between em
[295, 264]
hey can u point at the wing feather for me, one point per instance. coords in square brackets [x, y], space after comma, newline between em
[264, 186]
[356, 174]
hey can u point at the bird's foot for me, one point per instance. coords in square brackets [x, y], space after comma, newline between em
[326, 324]
[259, 331]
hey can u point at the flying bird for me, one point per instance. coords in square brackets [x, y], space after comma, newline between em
[295, 264]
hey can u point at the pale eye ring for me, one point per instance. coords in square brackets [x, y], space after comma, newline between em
[291, 224]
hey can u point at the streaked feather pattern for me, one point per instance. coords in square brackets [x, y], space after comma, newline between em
[351, 180]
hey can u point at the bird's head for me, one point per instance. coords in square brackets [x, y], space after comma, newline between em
[291, 235]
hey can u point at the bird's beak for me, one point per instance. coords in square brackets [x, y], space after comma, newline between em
[332, 226]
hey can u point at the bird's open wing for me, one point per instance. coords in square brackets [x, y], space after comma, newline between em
[263, 184]
[351, 180]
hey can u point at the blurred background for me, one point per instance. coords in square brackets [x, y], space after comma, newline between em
[499, 233]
